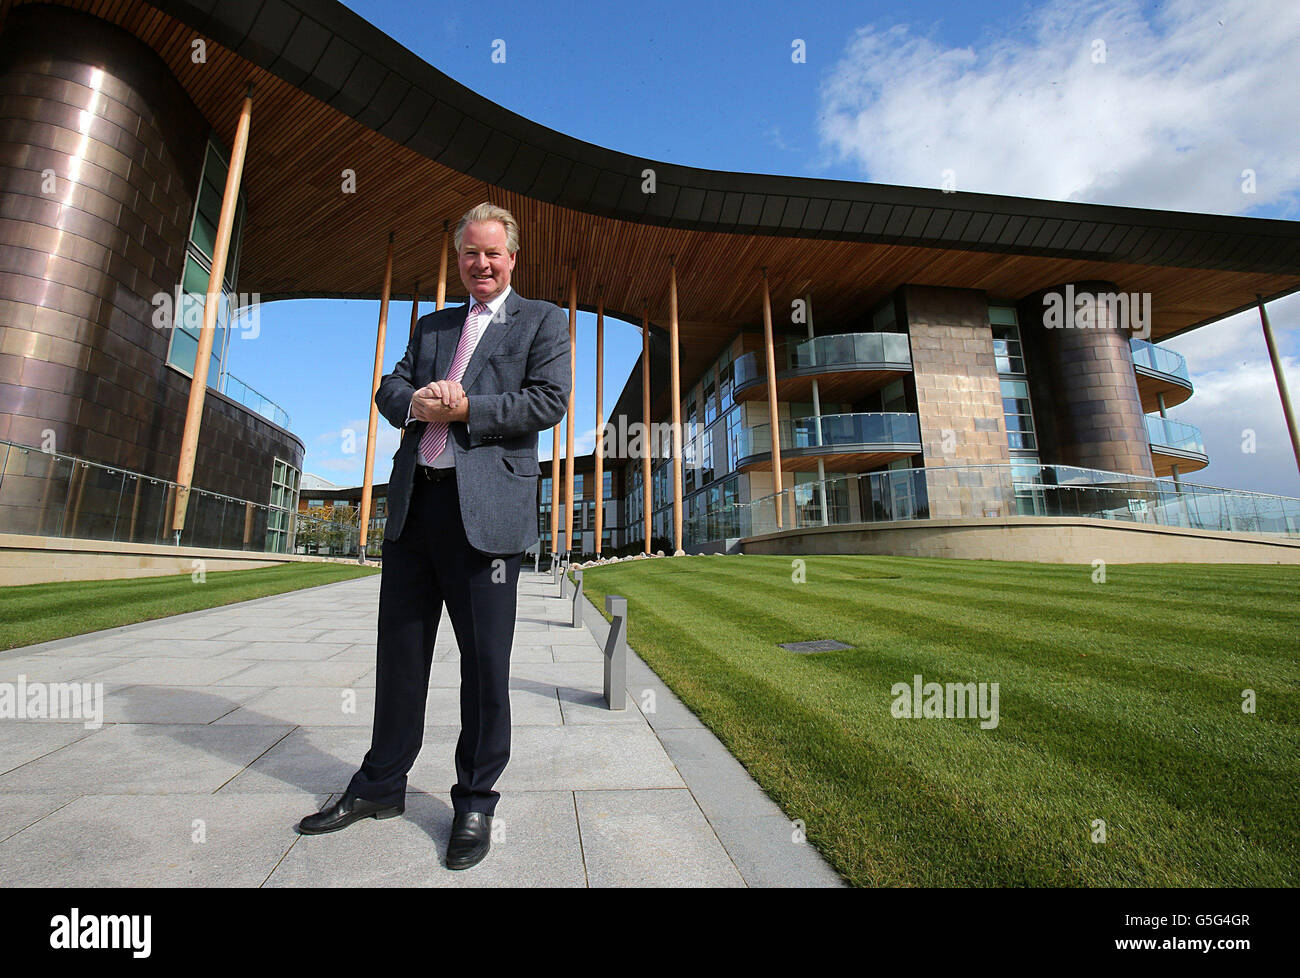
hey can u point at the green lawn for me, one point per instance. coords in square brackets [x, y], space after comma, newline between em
[1119, 701]
[43, 612]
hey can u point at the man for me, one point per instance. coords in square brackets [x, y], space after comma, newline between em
[477, 383]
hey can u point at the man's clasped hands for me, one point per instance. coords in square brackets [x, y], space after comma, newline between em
[440, 400]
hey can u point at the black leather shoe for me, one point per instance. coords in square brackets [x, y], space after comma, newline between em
[344, 812]
[471, 837]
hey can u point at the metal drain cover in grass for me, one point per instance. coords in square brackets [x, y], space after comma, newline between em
[820, 645]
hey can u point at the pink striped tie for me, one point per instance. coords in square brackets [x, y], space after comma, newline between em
[435, 433]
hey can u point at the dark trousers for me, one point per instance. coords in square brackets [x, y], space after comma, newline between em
[432, 563]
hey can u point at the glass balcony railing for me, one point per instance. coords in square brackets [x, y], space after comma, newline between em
[835, 350]
[55, 495]
[1168, 433]
[845, 349]
[1159, 359]
[237, 390]
[994, 491]
[888, 432]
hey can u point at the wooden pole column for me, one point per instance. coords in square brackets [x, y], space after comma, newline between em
[441, 299]
[677, 407]
[555, 488]
[374, 408]
[415, 318]
[220, 251]
[568, 417]
[647, 494]
[817, 413]
[600, 419]
[771, 401]
[415, 310]
[1282, 391]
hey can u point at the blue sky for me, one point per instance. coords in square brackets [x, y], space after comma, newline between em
[1011, 97]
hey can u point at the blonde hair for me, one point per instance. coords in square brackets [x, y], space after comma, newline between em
[480, 213]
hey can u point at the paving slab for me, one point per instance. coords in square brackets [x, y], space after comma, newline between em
[534, 844]
[175, 840]
[154, 759]
[232, 723]
[651, 838]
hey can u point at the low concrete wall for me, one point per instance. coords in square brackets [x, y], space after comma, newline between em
[39, 560]
[1043, 539]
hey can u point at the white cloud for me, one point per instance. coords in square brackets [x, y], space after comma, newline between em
[1189, 96]
[583, 444]
[1235, 392]
[353, 433]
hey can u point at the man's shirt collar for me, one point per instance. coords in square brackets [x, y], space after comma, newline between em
[495, 304]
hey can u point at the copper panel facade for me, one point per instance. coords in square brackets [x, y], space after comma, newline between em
[1087, 407]
[80, 266]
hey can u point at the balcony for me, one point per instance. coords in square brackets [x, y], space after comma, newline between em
[996, 492]
[1174, 443]
[1160, 372]
[846, 365]
[237, 390]
[839, 440]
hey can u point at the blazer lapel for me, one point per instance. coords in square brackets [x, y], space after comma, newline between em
[491, 338]
[446, 340]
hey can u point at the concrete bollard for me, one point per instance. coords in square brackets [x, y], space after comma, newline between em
[577, 598]
[616, 653]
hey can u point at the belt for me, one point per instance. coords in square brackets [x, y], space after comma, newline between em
[427, 473]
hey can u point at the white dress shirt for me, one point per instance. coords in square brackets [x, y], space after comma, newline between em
[447, 458]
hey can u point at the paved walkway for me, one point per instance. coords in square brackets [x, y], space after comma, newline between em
[223, 727]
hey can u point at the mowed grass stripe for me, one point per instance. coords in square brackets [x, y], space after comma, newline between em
[946, 793]
[1184, 588]
[1075, 646]
[942, 801]
[1215, 607]
[932, 621]
[1138, 718]
[35, 613]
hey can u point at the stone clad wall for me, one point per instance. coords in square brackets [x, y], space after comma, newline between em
[957, 387]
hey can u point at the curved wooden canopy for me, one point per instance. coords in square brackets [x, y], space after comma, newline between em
[333, 93]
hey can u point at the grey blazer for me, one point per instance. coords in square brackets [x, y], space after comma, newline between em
[517, 384]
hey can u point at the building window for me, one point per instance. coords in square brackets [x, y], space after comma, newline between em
[733, 440]
[726, 381]
[284, 502]
[710, 405]
[1006, 341]
[808, 498]
[188, 316]
[1019, 416]
[607, 490]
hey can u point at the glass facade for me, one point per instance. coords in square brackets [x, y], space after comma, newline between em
[187, 320]
[1017, 410]
[284, 504]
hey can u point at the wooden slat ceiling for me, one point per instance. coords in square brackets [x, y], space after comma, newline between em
[1151, 387]
[305, 238]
